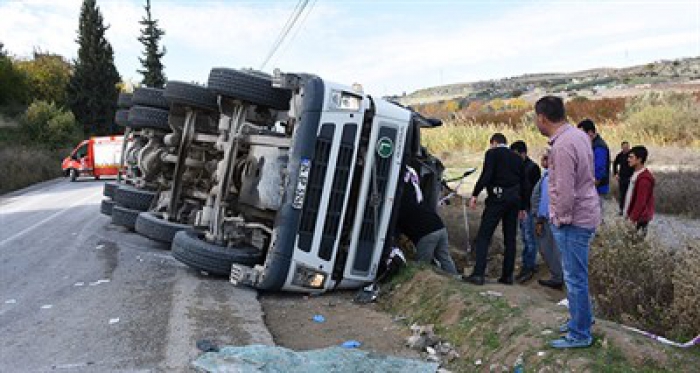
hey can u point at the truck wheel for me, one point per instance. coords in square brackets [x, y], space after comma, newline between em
[148, 117]
[186, 94]
[250, 87]
[121, 118]
[125, 217]
[107, 206]
[132, 198]
[189, 248]
[109, 189]
[156, 228]
[124, 100]
[152, 97]
[74, 174]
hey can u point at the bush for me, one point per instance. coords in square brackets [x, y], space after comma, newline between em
[671, 117]
[45, 123]
[21, 166]
[642, 283]
[676, 192]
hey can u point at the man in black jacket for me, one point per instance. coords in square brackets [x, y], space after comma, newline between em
[422, 225]
[527, 225]
[503, 177]
[623, 172]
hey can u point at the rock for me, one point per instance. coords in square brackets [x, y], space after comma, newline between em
[417, 342]
[431, 350]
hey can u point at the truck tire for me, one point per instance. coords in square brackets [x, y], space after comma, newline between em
[132, 198]
[121, 118]
[124, 100]
[189, 248]
[124, 216]
[153, 226]
[195, 96]
[107, 206]
[148, 117]
[250, 87]
[109, 189]
[152, 97]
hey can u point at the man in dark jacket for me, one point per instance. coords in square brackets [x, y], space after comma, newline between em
[422, 225]
[503, 177]
[623, 172]
[601, 157]
[527, 225]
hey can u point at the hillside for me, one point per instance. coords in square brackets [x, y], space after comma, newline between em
[677, 74]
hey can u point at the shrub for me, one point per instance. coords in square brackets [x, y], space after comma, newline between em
[21, 166]
[676, 192]
[642, 283]
[45, 123]
[671, 117]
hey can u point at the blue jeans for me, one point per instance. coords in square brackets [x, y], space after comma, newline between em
[574, 243]
[527, 232]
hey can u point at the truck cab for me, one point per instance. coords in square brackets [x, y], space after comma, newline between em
[314, 189]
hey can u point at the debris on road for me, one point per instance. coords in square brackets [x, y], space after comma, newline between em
[425, 340]
[319, 319]
[279, 359]
[351, 344]
[113, 321]
[103, 281]
[206, 345]
[491, 293]
[11, 301]
[100, 247]
[46, 306]
[79, 284]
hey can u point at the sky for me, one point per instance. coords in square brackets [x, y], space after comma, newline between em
[389, 46]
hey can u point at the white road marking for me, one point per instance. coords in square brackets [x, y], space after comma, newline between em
[50, 217]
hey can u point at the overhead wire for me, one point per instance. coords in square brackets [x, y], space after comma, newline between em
[298, 29]
[291, 21]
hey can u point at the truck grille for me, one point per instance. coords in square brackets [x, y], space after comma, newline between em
[314, 188]
[368, 237]
[338, 191]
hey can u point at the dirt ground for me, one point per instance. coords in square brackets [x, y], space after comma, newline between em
[290, 319]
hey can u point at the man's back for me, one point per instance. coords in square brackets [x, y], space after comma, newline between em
[502, 168]
[573, 196]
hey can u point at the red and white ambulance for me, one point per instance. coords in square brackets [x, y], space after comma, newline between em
[96, 157]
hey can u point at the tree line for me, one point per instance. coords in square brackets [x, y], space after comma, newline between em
[57, 101]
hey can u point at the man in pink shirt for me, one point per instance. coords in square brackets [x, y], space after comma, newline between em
[574, 213]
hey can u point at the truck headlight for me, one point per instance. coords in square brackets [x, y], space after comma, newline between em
[345, 101]
[308, 277]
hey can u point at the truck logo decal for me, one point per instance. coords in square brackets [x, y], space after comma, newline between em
[385, 147]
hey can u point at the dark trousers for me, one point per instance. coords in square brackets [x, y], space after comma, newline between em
[494, 213]
[624, 184]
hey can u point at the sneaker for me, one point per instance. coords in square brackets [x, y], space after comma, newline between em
[557, 285]
[564, 328]
[568, 342]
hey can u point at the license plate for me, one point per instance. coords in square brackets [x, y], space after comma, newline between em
[302, 181]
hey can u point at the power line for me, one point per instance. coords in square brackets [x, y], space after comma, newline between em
[285, 30]
[298, 29]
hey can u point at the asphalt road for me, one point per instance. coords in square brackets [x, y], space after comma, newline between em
[78, 294]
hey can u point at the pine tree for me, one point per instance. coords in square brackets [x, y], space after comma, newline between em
[153, 75]
[92, 91]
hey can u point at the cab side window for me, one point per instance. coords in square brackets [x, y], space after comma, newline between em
[81, 152]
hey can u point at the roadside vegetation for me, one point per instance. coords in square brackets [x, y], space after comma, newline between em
[492, 326]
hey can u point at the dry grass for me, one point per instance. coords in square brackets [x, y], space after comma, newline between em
[643, 283]
[21, 166]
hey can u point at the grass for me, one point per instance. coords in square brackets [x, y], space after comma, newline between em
[496, 330]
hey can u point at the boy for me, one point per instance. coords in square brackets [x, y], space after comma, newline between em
[639, 203]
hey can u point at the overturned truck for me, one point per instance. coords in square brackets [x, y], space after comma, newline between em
[304, 194]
